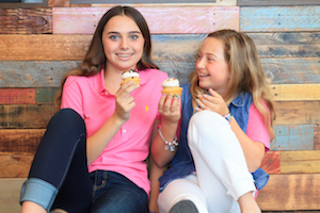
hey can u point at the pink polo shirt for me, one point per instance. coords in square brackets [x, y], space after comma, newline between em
[128, 149]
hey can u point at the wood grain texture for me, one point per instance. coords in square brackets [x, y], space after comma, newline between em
[83, 20]
[17, 96]
[26, 21]
[293, 137]
[20, 141]
[43, 47]
[290, 192]
[316, 137]
[271, 162]
[297, 112]
[275, 2]
[172, 3]
[37, 116]
[299, 162]
[26, 116]
[15, 166]
[280, 18]
[46, 95]
[296, 92]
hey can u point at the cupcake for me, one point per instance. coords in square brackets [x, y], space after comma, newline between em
[130, 75]
[171, 86]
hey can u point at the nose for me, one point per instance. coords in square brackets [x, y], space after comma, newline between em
[200, 64]
[124, 44]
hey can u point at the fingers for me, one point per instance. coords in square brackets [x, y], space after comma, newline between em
[169, 107]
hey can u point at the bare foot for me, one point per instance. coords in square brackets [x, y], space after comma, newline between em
[31, 207]
[248, 204]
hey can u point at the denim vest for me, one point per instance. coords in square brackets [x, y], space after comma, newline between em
[182, 163]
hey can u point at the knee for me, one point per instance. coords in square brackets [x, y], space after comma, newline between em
[67, 120]
[206, 124]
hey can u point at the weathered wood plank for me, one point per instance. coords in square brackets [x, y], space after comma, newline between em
[37, 116]
[297, 112]
[43, 47]
[171, 46]
[316, 137]
[26, 116]
[298, 162]
[46, 95]
[293, 137]
[19, 74]
[16, 166]
[290, 192]
[279, 19]
[296, 92]
[17, 96]
[182, 4]
[26, 21]
[58, 3]
[271, 162]
[83, 20]
[50, 73]
[9, 196]
[275, 2]
[20, 141]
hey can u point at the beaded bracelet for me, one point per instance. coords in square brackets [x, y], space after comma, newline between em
[171, 146]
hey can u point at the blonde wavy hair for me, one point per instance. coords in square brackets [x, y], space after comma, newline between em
[246, 74]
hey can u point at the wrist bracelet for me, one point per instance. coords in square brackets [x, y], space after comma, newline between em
[228, 117]
[171, 146]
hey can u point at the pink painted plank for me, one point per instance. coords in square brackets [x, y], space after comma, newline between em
[271, 162]
[17, 96]
[161, 20]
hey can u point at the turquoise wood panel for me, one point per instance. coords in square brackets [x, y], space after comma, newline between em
[293, 137]
[280, 19]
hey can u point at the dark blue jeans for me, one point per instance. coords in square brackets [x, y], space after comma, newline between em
[59, 175]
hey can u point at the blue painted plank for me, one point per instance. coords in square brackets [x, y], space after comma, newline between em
[293, 137]
[280, 18]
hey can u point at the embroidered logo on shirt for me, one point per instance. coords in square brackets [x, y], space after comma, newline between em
[147, 108]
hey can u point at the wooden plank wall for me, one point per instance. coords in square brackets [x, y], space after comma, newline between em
[38, 46]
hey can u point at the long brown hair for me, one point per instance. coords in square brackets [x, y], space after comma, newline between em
[95, 57]
[246, 73]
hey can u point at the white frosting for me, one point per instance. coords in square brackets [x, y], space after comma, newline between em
[129, 74]
[171, 82]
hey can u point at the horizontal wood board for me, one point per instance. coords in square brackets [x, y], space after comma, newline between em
[83, 20]
[291, 192]
[26, 21]
[280, 18]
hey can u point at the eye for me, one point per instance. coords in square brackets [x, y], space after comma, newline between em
[113, 37]
[210, 59]
[133, 37]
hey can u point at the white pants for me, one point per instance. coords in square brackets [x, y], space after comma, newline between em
[221, 175]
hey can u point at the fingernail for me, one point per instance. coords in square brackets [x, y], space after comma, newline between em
[197, 100]
[164, 95]
[203, 95]
[196, 109]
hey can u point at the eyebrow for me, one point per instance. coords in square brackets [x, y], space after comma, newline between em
[131, 32]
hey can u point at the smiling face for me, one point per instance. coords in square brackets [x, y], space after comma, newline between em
[123, 43]
[212, 68]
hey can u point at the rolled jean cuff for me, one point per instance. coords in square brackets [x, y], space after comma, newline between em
[38, 191]
[240, 188]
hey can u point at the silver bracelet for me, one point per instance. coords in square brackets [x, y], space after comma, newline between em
[171, 146]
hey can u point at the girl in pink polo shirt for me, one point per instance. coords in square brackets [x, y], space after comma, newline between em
[92, 156]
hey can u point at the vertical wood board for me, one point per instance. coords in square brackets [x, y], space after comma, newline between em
[280, 19]
[83, 20]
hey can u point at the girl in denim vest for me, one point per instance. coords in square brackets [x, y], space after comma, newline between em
[223, 123]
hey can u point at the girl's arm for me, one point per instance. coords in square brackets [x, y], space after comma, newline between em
[169, 108]
[96, 143]
[155, 173]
